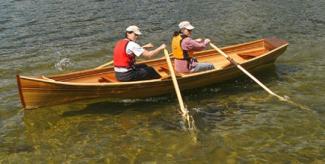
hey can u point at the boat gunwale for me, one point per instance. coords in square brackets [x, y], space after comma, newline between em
[105, 69]
[230, 67]
[154, 80]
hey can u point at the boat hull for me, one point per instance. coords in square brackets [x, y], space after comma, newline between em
[37, 92]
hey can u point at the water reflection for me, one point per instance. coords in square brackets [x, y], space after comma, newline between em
[119, 132]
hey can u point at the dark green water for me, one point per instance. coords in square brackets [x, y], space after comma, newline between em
[237, 121]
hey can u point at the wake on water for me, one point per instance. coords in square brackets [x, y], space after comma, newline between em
[63, 64]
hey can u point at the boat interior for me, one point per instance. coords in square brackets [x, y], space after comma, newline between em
[241, 53]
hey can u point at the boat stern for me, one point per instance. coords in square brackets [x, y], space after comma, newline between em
[22, 100]
[274, 42]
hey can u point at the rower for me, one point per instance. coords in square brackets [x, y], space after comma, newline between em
[183, 47]
[125, 52]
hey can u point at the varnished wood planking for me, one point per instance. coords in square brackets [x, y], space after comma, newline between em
[84, 85]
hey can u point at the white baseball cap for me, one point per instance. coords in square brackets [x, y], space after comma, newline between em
[185, 24]
[134, 29]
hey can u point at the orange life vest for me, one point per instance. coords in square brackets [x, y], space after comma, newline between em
[177, 50]
[120, 57]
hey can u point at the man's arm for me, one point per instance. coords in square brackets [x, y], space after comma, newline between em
[151, 53]
[149, 45]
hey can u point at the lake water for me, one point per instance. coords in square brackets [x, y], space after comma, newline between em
[237, 121]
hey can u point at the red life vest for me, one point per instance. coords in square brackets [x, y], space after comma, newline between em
[120, 57]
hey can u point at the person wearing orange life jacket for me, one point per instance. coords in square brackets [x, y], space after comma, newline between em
[125, 52]
[183, 47]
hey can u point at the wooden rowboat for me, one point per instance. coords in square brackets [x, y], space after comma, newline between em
[101, 83]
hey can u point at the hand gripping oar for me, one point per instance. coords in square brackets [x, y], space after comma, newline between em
[256, 80]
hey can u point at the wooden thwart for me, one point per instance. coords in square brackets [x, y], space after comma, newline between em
[107, 79]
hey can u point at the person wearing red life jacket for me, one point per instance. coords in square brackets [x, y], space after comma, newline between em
[183, 47]
[125, 52]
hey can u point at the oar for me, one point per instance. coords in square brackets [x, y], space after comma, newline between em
[257, 81]
[177, 90]
[247, 73]
[104, 65]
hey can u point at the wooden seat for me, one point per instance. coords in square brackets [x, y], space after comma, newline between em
[107, 79]
[163, 69]
[251, 53]
[223, 63]
[237, 58]
[165, 74]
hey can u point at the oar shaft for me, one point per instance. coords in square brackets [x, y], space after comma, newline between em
[104, 65]
[177, 90]
[246, 72]
[257, 81]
